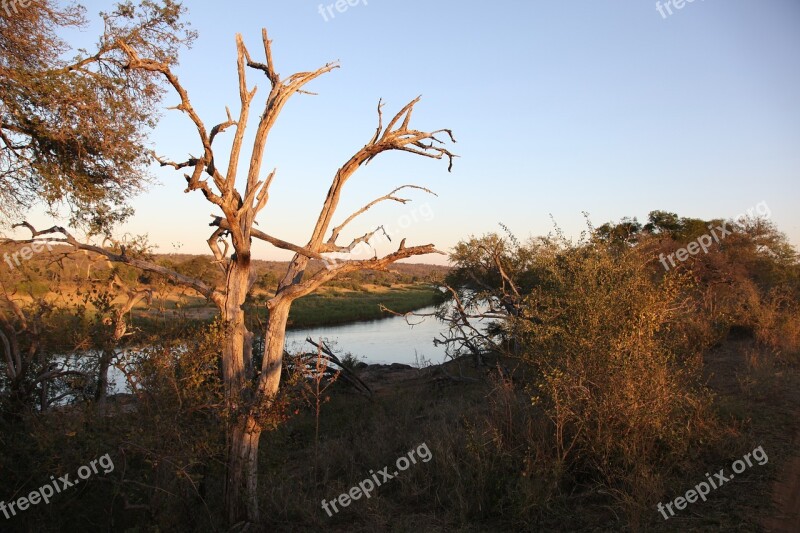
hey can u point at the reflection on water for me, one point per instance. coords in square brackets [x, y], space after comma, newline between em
[389, 340]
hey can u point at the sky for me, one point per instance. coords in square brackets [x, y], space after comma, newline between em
[607, 107]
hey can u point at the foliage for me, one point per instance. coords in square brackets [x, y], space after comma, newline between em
[72, 129]
[613, 345]
[621, 391]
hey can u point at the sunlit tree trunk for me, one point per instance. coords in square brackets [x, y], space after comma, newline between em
[241, 497]
[244, 431]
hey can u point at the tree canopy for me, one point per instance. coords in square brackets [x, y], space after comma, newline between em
[74, 123]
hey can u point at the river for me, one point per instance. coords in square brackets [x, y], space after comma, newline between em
[388, 340]
[384, 341]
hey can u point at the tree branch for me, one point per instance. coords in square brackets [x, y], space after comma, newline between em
[400, 139]
[278, 96]
[338, 229]
[323, 276]
[278, 243]
[186, 281]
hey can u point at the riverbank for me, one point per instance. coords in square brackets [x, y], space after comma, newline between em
[484, 441]
[329, 307]
[345, 307]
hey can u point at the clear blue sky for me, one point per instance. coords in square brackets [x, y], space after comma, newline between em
[558, 107]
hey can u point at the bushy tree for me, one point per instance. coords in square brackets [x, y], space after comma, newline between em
[73, 123]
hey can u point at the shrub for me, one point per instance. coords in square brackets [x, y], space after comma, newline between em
[613, 375]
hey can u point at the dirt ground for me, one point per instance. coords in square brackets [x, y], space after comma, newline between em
[766, 394]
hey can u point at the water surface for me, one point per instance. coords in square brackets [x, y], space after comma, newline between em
[388, 340]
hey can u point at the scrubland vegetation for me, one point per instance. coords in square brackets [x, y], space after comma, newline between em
[358, 296]
[603, 386]
[588, 380]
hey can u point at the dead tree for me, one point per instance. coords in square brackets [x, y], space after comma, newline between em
[249, 392]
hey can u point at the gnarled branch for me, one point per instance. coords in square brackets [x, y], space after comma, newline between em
[180, 279]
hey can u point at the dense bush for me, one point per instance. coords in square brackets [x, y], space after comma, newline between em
[615, 369]
[612, 345]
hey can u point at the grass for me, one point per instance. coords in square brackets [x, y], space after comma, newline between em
[341, 307]
[331, 306]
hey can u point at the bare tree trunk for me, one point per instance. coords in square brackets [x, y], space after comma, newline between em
[43, 396]
[237, 347]
[102, 381]
[241, 490]
[120, 331]
[272, 364]
[241, 494]
[241, 497]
